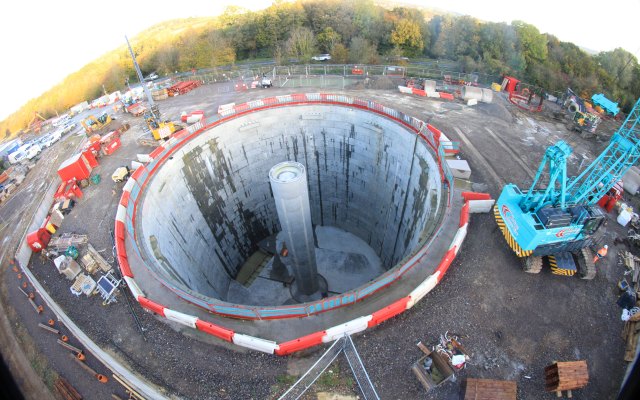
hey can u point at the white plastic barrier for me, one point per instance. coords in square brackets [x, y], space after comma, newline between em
[180, 318]
[128, 187]
[459, 238]
[487, 95]
[133, 287]
[351, 327]
[422, 289]
[121, 213]
[429, 85]
[480, 206]
[471, 92]
[266, 346]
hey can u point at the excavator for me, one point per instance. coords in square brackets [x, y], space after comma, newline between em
[36, 122]
[92, 124]
[557, 218]
[159, 129]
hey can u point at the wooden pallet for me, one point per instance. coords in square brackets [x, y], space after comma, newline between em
[64, 388]
[561, 376]
[97, 257]
[630, 335]
[489, 389]
[62, 242]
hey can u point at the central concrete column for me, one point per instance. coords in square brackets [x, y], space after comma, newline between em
[289, 185]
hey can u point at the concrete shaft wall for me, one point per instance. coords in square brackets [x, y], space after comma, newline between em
[208, 206]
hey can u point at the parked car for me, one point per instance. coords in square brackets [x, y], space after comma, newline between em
[33, 151]
[322, 57]
[265, 82]
[151, 77]
[51, 138]
[68, 127]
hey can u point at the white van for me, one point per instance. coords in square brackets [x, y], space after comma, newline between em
[51, 138]
[19, 154]
[33, 151]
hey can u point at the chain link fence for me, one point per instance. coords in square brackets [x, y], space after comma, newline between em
[337, 76]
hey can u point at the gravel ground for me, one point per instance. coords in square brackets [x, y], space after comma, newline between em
[513, 324]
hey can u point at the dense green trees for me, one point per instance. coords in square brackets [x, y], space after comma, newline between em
[355, 31]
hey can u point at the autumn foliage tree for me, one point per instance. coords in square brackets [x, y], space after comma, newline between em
[354, 31]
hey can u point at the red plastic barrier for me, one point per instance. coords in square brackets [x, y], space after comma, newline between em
[301, 343]
[464, 214]
[124, 199]
[119, 230]
[154, 154]
[120, 250]
[446, 262]
[419, 92]
[124, 266]
[215, 330]
[299, 97]
[389, 311]
[475, 196]
[446, 96]
[151, 305]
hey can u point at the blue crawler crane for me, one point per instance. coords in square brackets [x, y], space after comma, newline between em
[558, 216]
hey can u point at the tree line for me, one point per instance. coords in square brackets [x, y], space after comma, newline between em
[355, 31]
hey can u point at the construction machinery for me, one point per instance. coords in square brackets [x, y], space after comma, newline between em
[92, 124]
[158, 128]
[558, 217]
[581, 120]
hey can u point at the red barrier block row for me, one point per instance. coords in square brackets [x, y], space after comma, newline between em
[475, 196]
[119, 230]
[215, 330]
[446, 96]
[464, 214]
[301, 343]
[151, 305]
[389, 311]
[124, 199]
[446, 262]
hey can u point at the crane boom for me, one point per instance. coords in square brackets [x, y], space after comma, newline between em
[558, 218]
[621, 154]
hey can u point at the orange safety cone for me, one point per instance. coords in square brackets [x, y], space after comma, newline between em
[51, 322]
[19, 275]
[81, 357]
[40, 309]
[24, 285]
[65, 338]
[102, 378]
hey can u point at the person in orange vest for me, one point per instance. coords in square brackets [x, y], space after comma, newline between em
[601, 253]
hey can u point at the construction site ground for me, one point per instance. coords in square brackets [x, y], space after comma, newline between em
[513, 324]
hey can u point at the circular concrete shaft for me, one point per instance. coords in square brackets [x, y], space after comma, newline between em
[206, 225]
[290, 193]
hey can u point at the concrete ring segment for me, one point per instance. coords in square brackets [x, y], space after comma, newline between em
[197, 229]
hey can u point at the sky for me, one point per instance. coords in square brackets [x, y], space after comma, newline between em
[44, 41]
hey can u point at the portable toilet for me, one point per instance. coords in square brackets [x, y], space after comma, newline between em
[509, 84]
